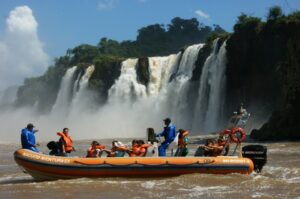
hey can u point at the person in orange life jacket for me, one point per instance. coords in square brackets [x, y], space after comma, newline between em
[95, 150]
[223, 146]
[182, 150]
[118, 149]
[143, 147]
[139, 148]
[28, 138]
[212, 148]
[169, 133]
[135, 149]
[65, 142]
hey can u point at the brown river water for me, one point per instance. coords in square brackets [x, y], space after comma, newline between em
[280, 178]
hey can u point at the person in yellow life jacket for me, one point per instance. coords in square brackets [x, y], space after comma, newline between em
[95, 150]
[182, 149]
[65, 142]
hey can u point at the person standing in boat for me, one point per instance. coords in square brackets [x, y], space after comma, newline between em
[65, 142]
[182, 149]
[28, 138]
[169, 134]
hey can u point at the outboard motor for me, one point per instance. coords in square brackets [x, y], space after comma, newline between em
[152, 151]
[258, 155]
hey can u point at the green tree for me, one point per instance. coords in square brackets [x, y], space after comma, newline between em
[274, 13]
[84, 53]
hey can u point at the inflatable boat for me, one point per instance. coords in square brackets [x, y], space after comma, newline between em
[46, 167]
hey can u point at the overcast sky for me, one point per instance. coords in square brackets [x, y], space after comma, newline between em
[34, 32]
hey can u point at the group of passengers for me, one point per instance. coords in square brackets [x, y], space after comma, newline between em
[64, 145]
[138, 149]
[213, 147]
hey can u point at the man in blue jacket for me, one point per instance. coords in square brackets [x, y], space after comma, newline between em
[169, 133]
[28, 138]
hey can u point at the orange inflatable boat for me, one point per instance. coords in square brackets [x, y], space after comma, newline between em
[45, 167]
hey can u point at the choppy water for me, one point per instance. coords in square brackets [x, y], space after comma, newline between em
[280, 178]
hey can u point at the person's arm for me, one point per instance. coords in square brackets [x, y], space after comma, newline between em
[160, 134]
[63, 147]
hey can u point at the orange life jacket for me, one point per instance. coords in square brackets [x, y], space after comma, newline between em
[181, 142]
[143, 149]
[67, 142]
[135, 151]
[91, 153]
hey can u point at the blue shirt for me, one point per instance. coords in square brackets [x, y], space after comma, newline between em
[169, 133]
[28, 139]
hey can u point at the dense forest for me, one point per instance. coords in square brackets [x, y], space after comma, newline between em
[263, 65]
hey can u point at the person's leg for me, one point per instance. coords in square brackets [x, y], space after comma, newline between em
[34, 149]
[162, 149]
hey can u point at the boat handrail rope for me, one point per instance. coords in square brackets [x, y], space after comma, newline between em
[138, 163]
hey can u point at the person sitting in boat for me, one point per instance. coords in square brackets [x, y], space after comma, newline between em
[118, 149]
[211, 148]
[28, 138]
[143, 147]
[135, 149]
[182, 149]
[214, 148]
[139, 148]
[169, 134]
[95, 150]
[65, 142]
[54, 148]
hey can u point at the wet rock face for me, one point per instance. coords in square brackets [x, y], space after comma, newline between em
[285, 123]
[142, 70]
[252, 68]
[105, 74]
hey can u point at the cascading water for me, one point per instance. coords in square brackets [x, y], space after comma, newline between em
[178, 88]
[81, 97]
[62, 103]
[159, 68]
[160, 97]
[211, 91]
[126, 89]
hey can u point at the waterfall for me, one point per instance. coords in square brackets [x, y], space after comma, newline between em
[126, 89]
[211, 91]
[81, 97]
[159, 68]
[178, 88]
[160, 97]
[142, 96]
[63, 99]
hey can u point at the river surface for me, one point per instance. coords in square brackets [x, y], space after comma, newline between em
[280, 178]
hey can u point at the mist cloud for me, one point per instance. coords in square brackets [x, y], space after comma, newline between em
[21, 51]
